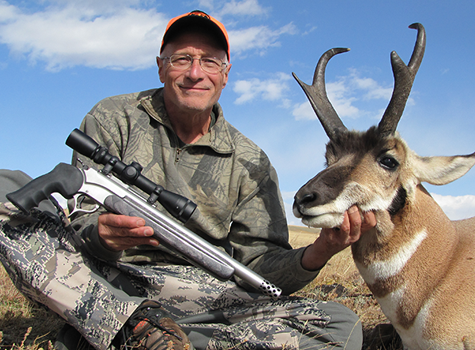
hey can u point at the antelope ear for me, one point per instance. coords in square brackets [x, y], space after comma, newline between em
[442, 170]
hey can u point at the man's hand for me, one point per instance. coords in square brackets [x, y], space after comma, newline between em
[121, 232]
[332, 241]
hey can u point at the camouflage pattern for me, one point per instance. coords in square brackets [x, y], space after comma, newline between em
[239, 209]
[45, 263]
[224, 173]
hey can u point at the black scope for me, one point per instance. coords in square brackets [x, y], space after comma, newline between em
[180, 207]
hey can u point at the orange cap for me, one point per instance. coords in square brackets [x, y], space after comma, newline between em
[177, 24]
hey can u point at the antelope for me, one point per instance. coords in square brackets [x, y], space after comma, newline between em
[419, 265]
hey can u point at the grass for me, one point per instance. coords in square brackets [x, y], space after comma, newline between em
[23, 324]
[27, 326]
[340, 281]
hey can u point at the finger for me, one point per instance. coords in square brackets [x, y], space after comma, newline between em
[355, 220]
[117, 238]
[369, 221]
[345, 225]
[144, 231]
[112, 232]
[121, 221]
[128, 242]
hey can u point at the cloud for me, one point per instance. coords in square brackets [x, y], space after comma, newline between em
[310, 30]
[246, 7]
[339, 94]
[66, 34]
[288, 198]
[258, 38]
[110, 34]
[345, 94]
[272, 89]
[303, 111]
[456, 207]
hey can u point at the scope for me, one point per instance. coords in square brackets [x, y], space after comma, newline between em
[178, 206]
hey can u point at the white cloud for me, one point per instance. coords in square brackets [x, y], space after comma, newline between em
[219, 9]
[303, 111]
[245, 7]
[112, 34]
[272, 89]
[310, 30]
[103, 35]
[339, 95]
[456, 207]
[206, 4]
[345, 93]
[258, 38]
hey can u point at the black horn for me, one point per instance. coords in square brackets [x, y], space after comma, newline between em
[403, 80]
[317, 95]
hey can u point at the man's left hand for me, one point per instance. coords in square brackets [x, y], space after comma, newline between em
[332, 241]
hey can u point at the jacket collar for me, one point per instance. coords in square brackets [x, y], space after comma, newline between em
[218, 137]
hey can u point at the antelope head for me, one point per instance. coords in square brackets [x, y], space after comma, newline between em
[416, 259]
[374, 169]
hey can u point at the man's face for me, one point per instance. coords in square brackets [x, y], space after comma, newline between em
[192, 90]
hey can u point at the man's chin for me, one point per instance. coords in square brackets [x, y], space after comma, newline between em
[196, 104]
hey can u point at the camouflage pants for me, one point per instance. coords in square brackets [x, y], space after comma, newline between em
[97, 297]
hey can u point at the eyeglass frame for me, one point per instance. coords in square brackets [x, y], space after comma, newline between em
[221, 67]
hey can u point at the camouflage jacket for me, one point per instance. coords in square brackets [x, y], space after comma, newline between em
[224, 173]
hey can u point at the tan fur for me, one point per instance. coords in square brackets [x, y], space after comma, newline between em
[427, 262]
[419, 265]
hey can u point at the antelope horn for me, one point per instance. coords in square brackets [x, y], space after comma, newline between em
[317, 95]
[403, 80]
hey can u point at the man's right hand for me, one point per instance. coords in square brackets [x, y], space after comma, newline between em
[121, 232]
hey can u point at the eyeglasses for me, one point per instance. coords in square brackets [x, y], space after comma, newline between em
[208, 64]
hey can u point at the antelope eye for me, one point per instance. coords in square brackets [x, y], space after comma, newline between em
[388, 162]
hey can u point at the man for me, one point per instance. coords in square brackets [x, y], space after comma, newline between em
[124, 289]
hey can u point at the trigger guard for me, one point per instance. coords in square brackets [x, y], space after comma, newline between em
[77, 209]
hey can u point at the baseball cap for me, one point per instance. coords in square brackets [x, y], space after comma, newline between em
[200, 18]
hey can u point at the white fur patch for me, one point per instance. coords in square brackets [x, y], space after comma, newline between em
[380, 270]
[390, 303]
[412, 337]
[324, 221]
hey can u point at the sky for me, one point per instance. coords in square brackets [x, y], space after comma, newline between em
[58, 58]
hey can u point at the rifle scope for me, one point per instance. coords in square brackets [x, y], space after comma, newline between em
[180, 207]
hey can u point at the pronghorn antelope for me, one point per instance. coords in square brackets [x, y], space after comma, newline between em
[418, 264]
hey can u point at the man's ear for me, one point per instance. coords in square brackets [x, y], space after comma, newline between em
[160, 64]
[226, 75]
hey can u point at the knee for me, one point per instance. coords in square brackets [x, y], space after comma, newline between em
[344, 327]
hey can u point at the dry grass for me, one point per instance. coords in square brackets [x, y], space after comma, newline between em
[24, 325]
[340, 281]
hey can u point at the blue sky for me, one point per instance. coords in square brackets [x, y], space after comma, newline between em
[60, 57]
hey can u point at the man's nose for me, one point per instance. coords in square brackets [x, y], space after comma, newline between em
[195, 71]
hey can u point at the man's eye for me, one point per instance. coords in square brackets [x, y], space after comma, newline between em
[209, 62]
[181, 60]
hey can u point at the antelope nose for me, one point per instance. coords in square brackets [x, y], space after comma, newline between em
[303, 200]
[307, 198]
